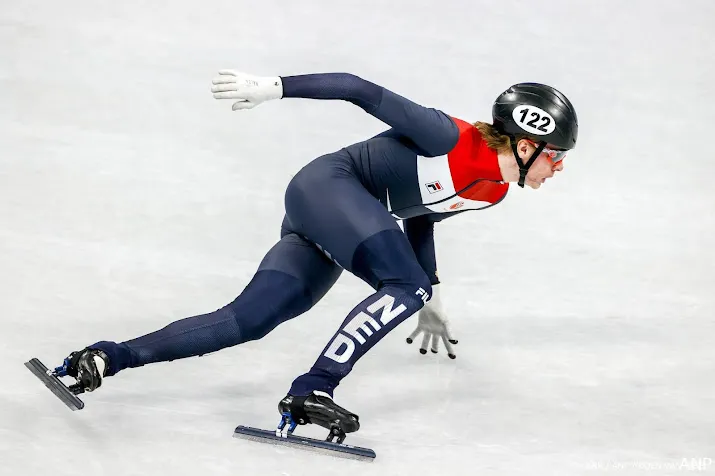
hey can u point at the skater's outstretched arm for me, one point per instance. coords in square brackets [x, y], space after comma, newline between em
[431, 130]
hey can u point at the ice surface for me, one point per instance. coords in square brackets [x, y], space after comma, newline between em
[130, 198]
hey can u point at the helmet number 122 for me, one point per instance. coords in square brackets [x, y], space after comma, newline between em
[541, 122]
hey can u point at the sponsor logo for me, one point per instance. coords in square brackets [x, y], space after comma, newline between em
[434, 187]
[456, 206]
[423, 295]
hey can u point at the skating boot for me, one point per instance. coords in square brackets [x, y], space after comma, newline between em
[87, 366]
[320, 409]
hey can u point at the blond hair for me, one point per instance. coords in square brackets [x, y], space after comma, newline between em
[494, 139]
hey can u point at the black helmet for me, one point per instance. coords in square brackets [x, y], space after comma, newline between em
[539, 112]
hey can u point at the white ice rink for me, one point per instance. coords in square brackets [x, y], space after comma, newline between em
[129, 198]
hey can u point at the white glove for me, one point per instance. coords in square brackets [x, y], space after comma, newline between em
[249, 90]
[434, 323]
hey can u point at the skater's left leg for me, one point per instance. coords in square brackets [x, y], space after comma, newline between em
[386, 261]
[357, 231]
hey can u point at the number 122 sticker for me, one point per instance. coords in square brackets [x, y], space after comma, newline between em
[534, 120]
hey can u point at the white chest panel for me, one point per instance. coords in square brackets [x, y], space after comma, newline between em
[437, 187]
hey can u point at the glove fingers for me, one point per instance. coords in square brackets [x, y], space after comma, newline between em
[228, 72]
[425, 341]
[228, 95]
[435, 343]
[414, 334]
[217, 88]
[448, 334]
[224, 80]
[238, 105]
[448, 346]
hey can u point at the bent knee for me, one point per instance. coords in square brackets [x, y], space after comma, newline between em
[387, 258]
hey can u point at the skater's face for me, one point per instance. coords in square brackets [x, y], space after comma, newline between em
[543, 167]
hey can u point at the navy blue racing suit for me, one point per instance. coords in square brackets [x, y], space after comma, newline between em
[341, 212]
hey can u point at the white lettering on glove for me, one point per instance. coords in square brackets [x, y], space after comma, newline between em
[433, 322]
[246, 90]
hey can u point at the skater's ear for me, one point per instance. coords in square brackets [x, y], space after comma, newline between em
[525, 148]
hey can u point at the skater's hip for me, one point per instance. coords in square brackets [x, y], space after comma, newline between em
[328, 183]
[327, 204]
[334, 166]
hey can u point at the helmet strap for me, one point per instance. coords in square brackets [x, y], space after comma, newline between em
[524, 168]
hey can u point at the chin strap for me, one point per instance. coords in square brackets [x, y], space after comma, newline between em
[524, 168]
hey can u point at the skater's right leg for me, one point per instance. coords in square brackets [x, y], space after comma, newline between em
[292, 277]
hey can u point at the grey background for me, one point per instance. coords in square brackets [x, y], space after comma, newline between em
[130, 198]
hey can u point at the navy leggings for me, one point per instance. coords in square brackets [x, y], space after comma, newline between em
[332, 223]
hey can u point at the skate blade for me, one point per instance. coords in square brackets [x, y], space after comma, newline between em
[54, 384]
[333, 449]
